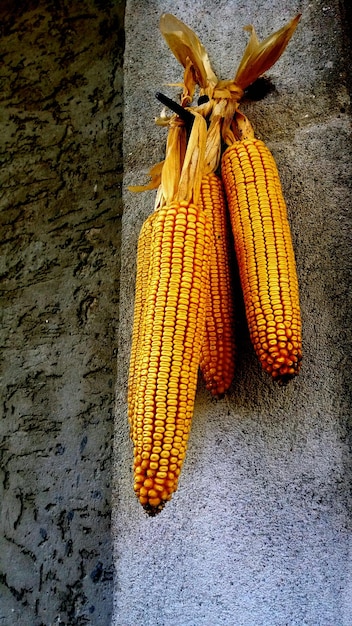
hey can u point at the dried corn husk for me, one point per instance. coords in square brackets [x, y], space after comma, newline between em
[185, 45]
[259, 57]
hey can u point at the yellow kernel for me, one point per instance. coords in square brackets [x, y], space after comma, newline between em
[154, 501]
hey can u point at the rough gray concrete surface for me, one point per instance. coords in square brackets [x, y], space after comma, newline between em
[60, 202]
[258, 532]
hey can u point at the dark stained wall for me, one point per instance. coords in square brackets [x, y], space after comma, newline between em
[60, 210]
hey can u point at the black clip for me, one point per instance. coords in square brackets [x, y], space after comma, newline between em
[185, 115]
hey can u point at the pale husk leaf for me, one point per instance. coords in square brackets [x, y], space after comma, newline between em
[229, 112]
[189, 84]
[259, 57]
[159, 199]
[155, 175]
[241, 126]
[184, 44]
[213, 142]
[193, 165]
[250, 50]
[171, 171]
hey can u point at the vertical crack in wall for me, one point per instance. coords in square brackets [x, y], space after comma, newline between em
[60, 212]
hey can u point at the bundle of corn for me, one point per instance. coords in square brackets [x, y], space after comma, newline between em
[169, 321]
[257, 209]
[184, 313]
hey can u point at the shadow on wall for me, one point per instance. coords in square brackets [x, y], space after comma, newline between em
[62, 89]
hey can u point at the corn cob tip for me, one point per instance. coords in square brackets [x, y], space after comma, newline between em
[281, 369]
[217, 395]
[151, 510]
[283, 378]
[154, 489]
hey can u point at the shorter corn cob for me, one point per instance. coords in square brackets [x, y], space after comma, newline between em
[265, 256]
[166, 366]
[218, 349]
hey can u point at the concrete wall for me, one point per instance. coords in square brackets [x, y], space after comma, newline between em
[60, 201]
[258, 531]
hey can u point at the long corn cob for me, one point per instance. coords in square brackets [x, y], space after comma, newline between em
[169, 321]
[265, 256]
[173, 328]
[142, 273]
[218, 348]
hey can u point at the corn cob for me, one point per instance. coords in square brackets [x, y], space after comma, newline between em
[173, 328]
[265, 256]
[218, 348]
[169, 320]
[143, 264]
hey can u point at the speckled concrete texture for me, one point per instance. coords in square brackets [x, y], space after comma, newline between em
[258, 531]
[60, 210]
